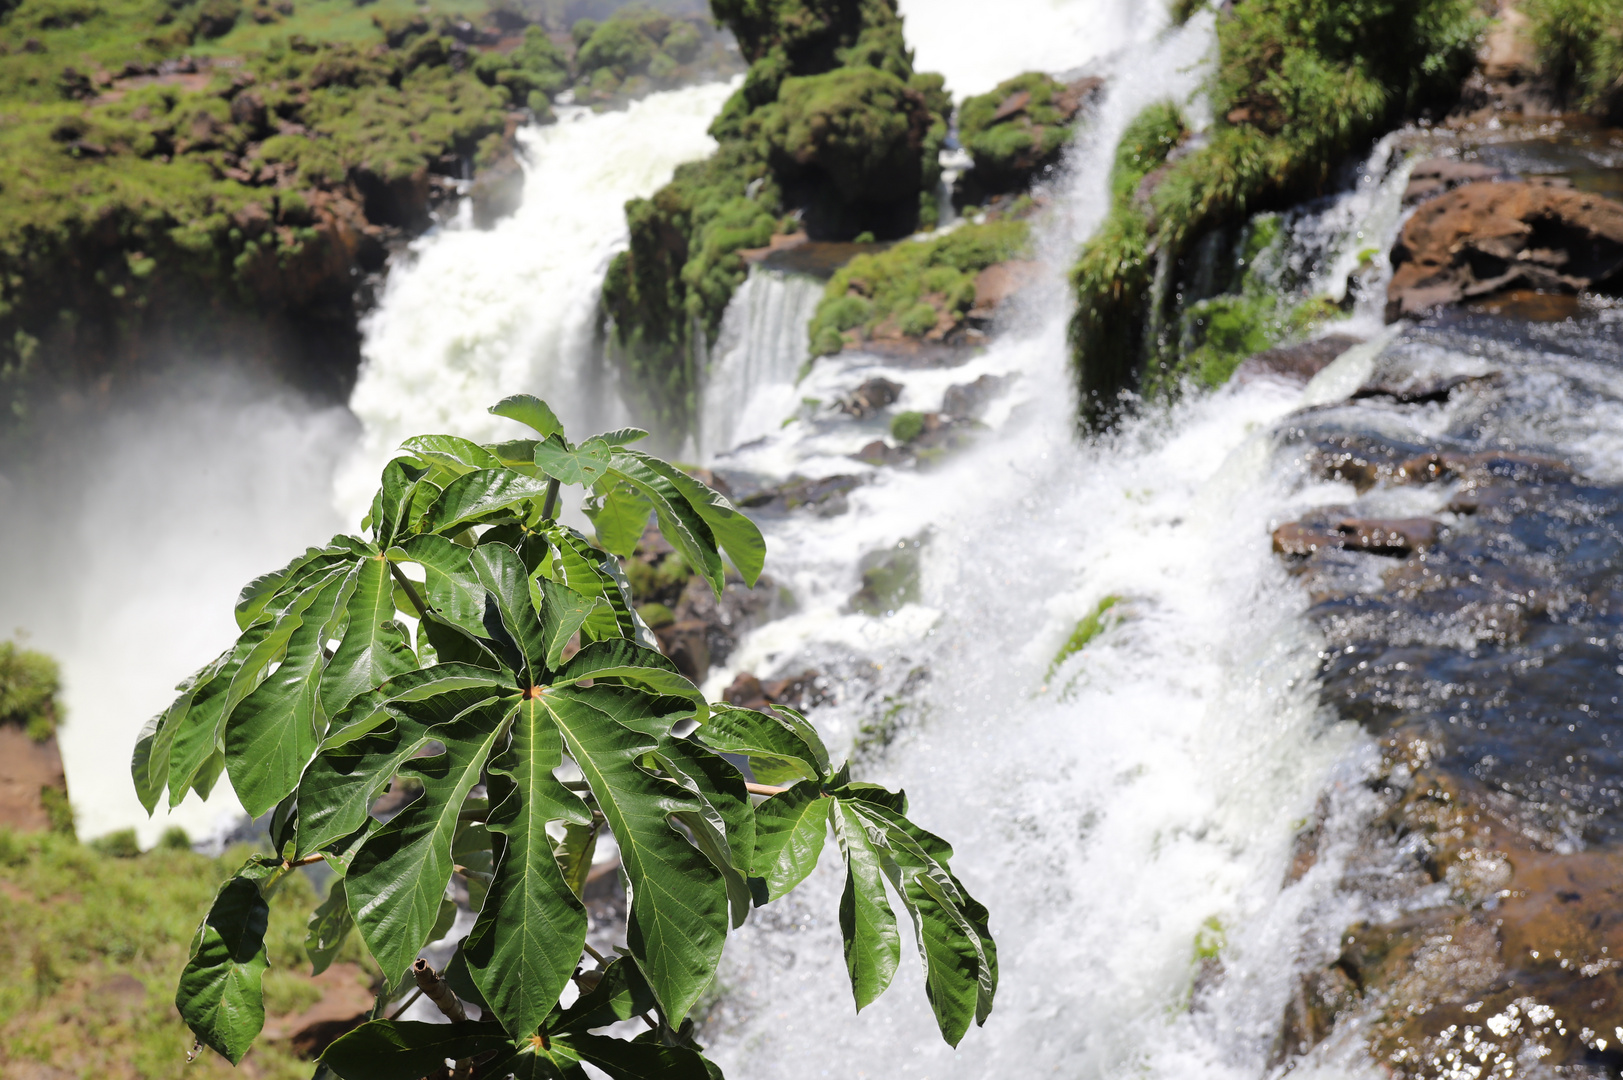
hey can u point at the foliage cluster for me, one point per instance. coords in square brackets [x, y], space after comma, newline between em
[84, 994]
[529, 711]
[912, 288]
[29, 683]
[1008, 149]
[638, 49]
[1580, 43]
[1299, 85]
[832, 122]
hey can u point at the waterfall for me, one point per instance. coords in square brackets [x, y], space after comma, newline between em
[470, 316]
[749, 387]
[1128, 814]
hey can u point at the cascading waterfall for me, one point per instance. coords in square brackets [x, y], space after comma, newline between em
[472, 316]
[749, 387]
[1128, 815]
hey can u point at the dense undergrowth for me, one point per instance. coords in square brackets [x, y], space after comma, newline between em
[184, 176]
[1299, 85]
[93, 939]
[914, 289]
[833, 131]
[1580, 43]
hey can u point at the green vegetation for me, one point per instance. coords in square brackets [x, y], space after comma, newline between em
[91, 946]
[1580, 43]
[1089, 627]
[832, 130]
[906, 426]
[1010, 141]
[1299, 85]
[207, 175]
[528, 667]
[29, 683]
[912, 289]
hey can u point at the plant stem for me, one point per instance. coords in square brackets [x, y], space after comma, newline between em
[430, 983]
[550, 507]
[411, 590]
[764, 789]
[415, 994]
[593, 953]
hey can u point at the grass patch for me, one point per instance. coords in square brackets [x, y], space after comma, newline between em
[1299, 85]
[92, 949]
[1089, 627]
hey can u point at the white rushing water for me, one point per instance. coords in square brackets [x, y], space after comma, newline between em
[472, 315]
[1128, 817]
[137, 532]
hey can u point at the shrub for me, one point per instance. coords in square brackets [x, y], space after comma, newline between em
[1007, 151]
[1581, 45]
[906, 426]
[29, 683]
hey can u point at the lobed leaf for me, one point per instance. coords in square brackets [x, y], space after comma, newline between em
[737, 534]
[479, 496]
[781, 748]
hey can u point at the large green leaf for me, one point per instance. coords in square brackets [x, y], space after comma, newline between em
[397, 879]
[220, 995]
[375, 647]
[584, 465]
[679, 522]
[619, 514]
[631, 663]
[738, 535]
[480, 495]
[532, 928]
[328, 928]
[592, 573]
[408, 1050]
[263, 590]
[508, 585]
[391, 509]
[679, 915]
[563, 613]
[790, 830]
[527, 409]
[457, 455]
[872, 945]
[960, 959]
[272, 734]
[781, 746]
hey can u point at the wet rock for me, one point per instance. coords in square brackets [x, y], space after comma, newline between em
[1297, 363]
[1399, 536]
[497, 191]
[890, 578]
[870, 398]
[799, 692]
[825, 496]
[968, 401]
[1486, 238]
[998, 282]
[1425, 391]
[880, 452]
[1437, 176]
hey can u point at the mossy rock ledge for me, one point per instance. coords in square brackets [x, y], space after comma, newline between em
[833, 132]
[1017, 132]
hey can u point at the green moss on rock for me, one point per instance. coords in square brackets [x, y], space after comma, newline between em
[831, 122]
[29, 684]
[913, 288]
[1300, 84]
[1018, 129]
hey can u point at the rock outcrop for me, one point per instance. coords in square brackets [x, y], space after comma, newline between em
[1485, 238]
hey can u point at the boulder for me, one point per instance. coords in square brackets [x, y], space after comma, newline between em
[1485, 238]
[968, 401]
[1378, 536]
[28, 769]
[869, 398]
[799, 692]
[998, 282]
[1435, 176]
[825, 496]
[1296, 363]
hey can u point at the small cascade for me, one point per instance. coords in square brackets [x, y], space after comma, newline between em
[470, 316]
[749, 388]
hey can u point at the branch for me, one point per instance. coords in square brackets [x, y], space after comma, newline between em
[764, 789]
[434, 987]
[306, 861]
[415, 994]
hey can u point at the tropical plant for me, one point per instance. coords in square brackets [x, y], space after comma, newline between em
[530, 710]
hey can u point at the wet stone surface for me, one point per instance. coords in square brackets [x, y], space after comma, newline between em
[1469, 588]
